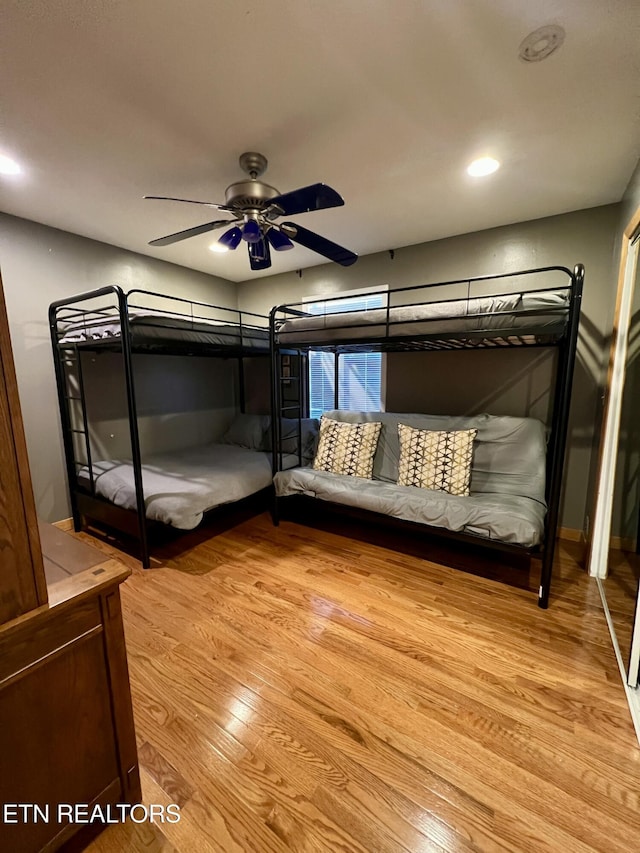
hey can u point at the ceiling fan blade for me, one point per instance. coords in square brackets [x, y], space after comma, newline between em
[259, 255]
[189, 201]
[313, 241]
[190, 232]
[314, 197]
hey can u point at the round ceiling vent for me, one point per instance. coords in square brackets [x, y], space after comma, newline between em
[541, 43]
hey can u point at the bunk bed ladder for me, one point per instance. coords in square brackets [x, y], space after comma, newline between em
[68, 358]
[289, 372]
[136, 454]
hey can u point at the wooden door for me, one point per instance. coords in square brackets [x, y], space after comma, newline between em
[22, 581]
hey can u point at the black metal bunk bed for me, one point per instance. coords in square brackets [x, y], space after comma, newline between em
[140, 321]
[547, 316]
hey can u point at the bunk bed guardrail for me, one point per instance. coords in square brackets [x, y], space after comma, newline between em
[100, 325]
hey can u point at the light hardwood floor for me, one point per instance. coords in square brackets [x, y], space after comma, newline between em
[621, 585]
[296, 689]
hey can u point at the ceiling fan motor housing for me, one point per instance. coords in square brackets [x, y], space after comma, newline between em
[249, 195]
[253, 195]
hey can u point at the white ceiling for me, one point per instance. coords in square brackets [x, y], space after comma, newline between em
[387, 101]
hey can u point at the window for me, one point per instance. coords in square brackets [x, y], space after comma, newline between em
[361, 373]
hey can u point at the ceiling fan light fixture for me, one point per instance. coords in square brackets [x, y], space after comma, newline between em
[251, 231]
[483, 166]
[230, 240]
[279, 241]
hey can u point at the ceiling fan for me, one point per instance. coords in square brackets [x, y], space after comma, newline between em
[255, 207]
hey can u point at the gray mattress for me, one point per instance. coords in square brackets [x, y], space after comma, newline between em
[507, 500]
[535, 312]
[179, 487]
[159, 328]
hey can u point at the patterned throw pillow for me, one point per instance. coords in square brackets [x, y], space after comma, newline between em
[436, 459]
[347, 448]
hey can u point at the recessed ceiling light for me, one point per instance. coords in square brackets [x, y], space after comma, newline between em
[8, 166]
[483, 166]
[541, 43]
[218, 247]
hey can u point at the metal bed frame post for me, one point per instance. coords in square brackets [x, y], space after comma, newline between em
[559, 431]
[301, 412]
[136, 456]
[304, 383]
[336, 380]
[241, 386]
[275, 409]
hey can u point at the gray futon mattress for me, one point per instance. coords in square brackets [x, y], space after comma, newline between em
[507, 500]
[507, 518]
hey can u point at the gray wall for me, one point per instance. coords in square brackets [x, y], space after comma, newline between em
[523, 386]
[257, 389]
[181, 402]
[514, 383]
[41, 264]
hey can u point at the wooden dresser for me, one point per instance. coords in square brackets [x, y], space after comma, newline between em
[66, 722]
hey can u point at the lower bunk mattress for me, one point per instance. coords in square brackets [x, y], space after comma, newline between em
[179, 487]
[506, 518]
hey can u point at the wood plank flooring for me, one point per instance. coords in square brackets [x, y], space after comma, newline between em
[298, 690]
[621, 586]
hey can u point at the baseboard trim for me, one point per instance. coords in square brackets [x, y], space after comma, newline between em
[623, 543]
[571, 535]
[64, 524]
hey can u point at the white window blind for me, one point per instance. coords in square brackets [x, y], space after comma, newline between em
[360, 380]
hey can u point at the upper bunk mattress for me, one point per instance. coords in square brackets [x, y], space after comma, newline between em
[521, 314]
[179, 487]
[153, 328]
